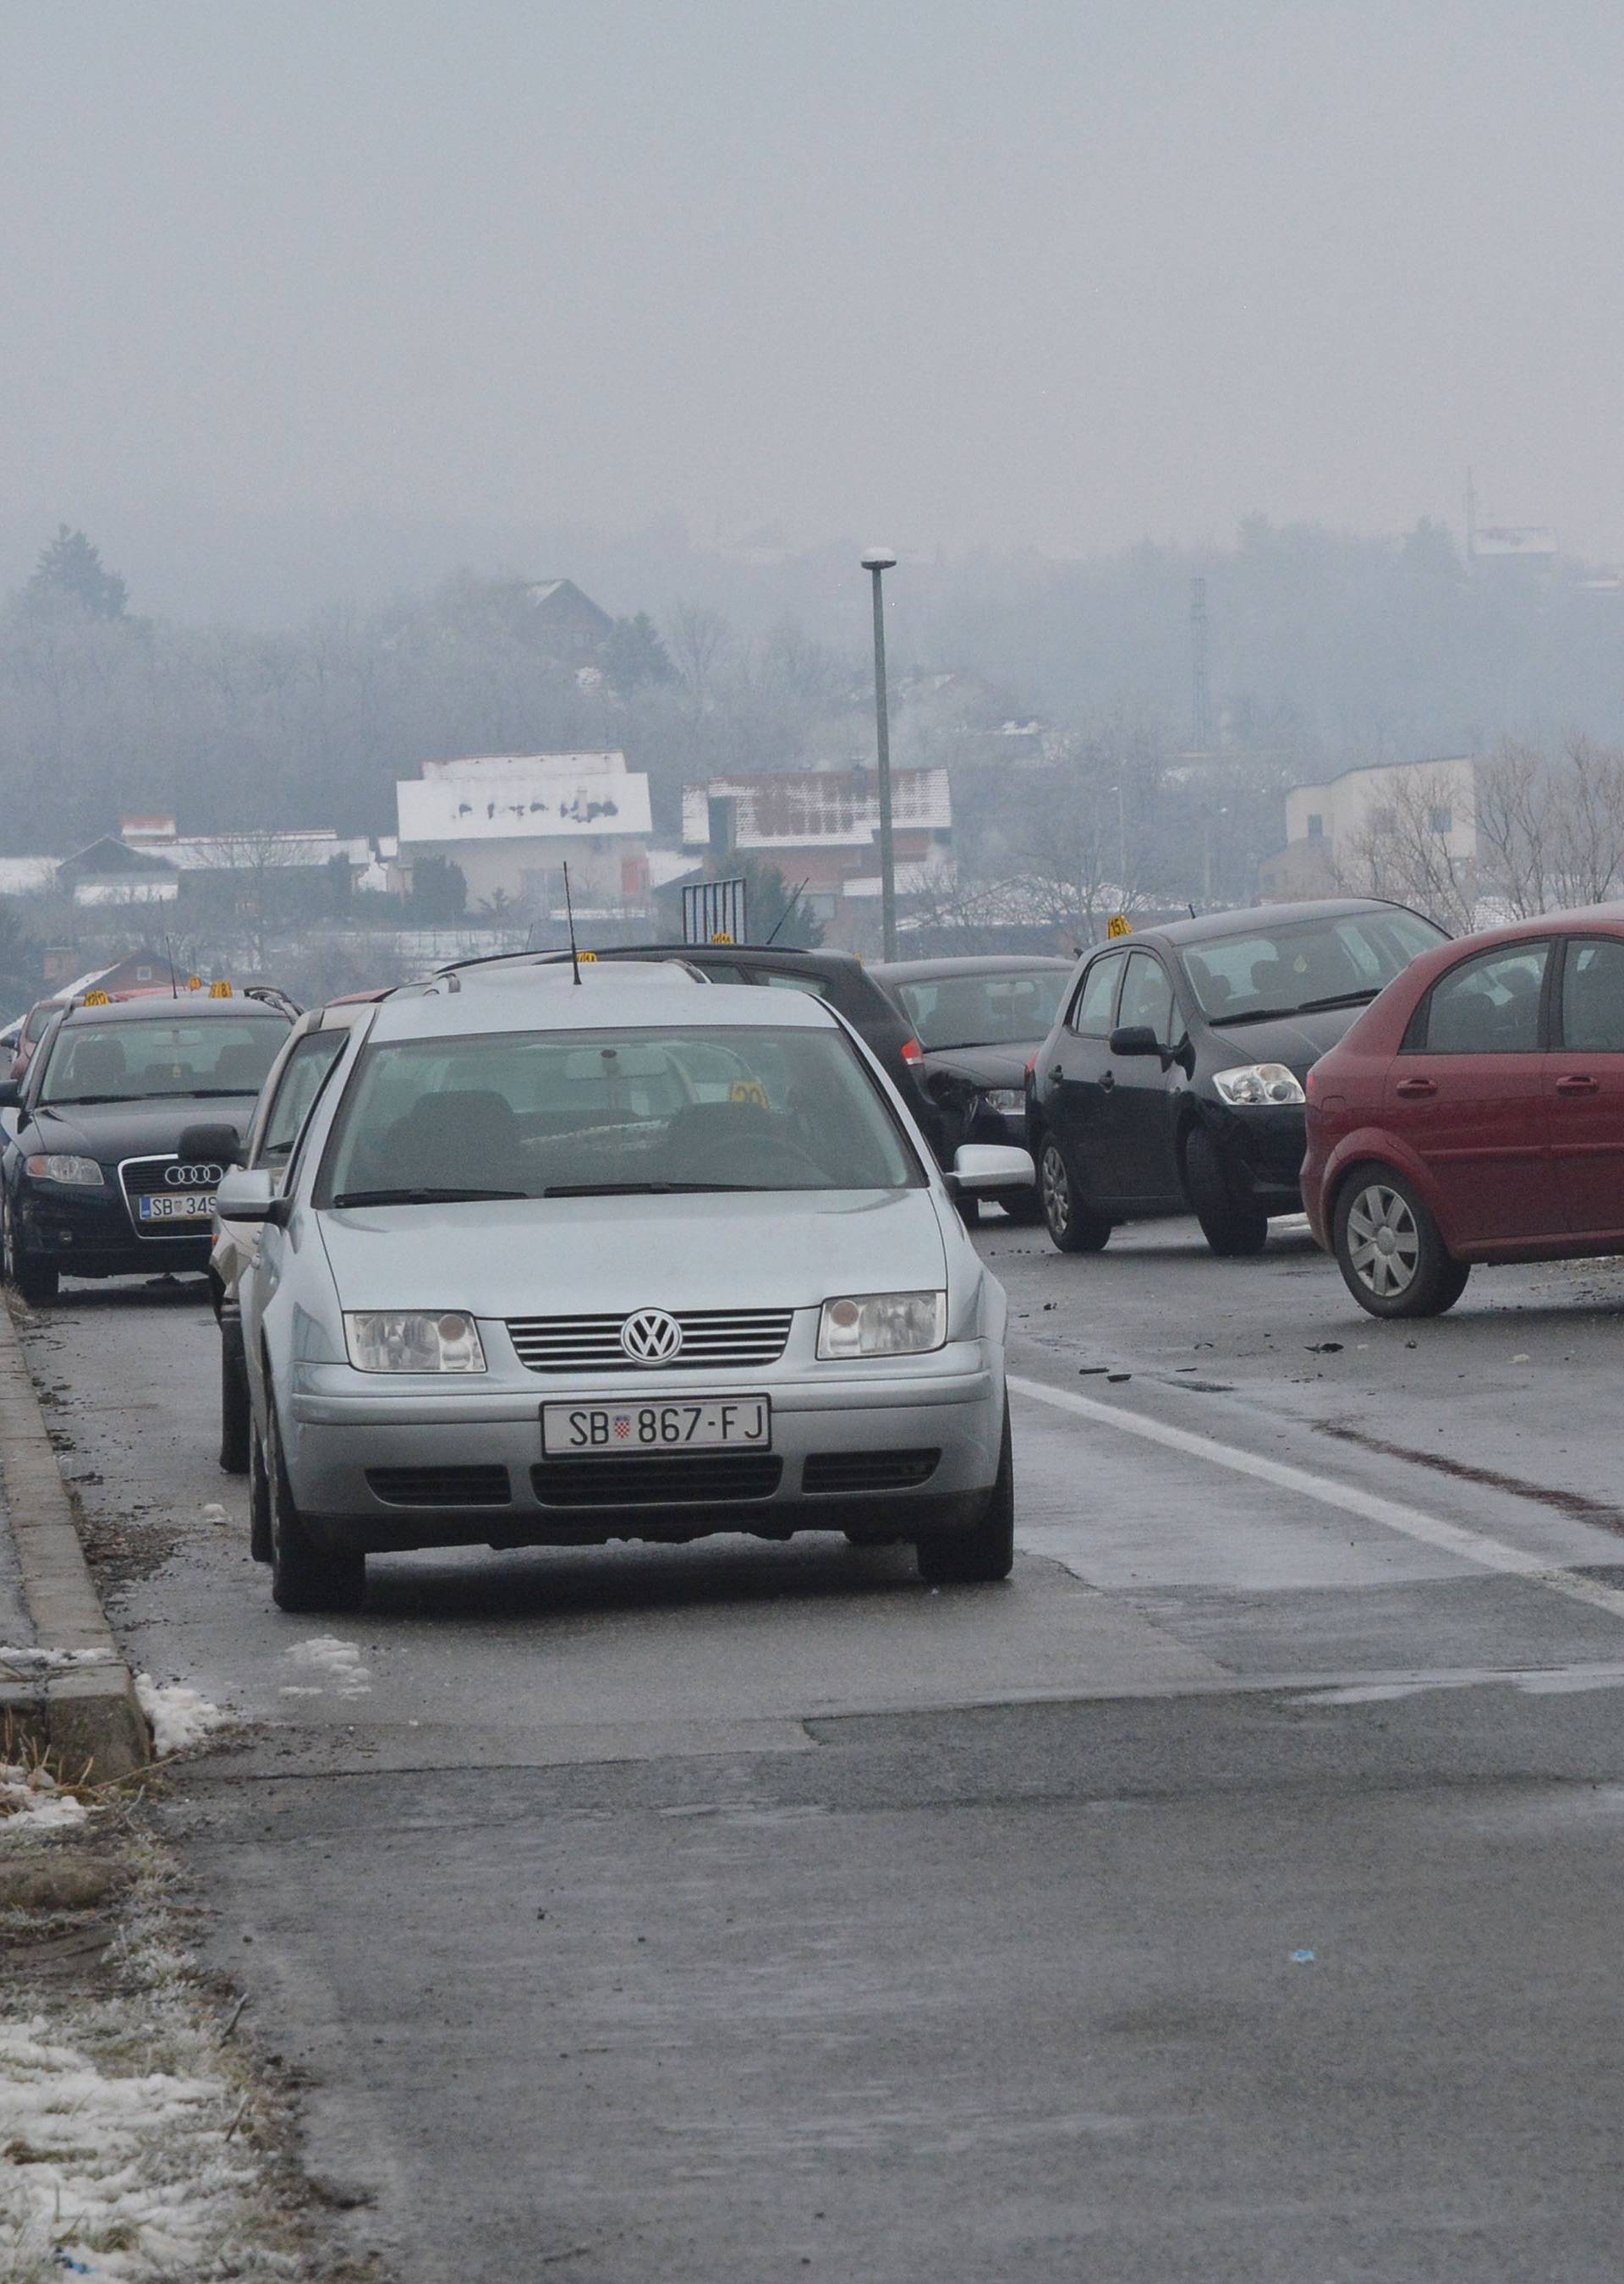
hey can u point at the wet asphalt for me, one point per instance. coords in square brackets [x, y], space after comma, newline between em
[1232, 1895]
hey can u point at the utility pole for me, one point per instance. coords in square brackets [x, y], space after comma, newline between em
[876, 562]
[1201, 710]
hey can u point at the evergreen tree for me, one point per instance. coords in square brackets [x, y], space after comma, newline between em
[635, 658]
[71, 570]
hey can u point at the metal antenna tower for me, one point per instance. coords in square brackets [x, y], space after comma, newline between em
[1201, 697]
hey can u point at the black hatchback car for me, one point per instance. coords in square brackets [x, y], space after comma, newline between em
[839, 977]
[979, 1019]
[1173, 1081]
[94, 1183]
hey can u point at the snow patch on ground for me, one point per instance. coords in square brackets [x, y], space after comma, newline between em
[52, 1661]
[338, 1661]
[30, 1802]
[180, 1717]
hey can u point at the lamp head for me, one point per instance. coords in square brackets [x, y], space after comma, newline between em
[878, 558]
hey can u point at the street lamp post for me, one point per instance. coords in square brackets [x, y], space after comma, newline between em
[876, 562]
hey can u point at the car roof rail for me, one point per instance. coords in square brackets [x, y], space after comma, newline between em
[273, 996]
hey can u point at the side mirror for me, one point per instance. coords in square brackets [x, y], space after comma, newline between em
[985, 1169]
[1136, 1039]
[249, 1194]
[213, 1143]
[10, 1094]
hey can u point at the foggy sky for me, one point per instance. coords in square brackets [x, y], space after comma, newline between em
[948, 273]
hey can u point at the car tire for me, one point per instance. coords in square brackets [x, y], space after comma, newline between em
[302, 1576]
[1072, 1225]
[233, 1399]
[1232, 1229]
[1413, 1275]
[984, 1554]
[37, 1282]
[258, 1499]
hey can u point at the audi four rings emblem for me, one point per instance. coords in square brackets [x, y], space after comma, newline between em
[192, 1178]
[651, 1336]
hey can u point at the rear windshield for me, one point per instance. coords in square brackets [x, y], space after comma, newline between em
[998, 1009]
[137, 1063]
[1305, 964]
[541, 1113]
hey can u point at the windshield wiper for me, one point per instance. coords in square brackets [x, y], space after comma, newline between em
[644, 1189]
[421, 1197]
[75, 1101]
[1303, 1008]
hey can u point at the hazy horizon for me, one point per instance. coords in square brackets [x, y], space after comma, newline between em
[1060, 279]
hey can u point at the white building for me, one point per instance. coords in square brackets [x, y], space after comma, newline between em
[510, 821]
[1330, 826]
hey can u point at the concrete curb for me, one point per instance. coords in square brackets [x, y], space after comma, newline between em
[82, 1701]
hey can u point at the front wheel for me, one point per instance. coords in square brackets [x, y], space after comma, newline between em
[1390, 1250]
[37, 1281]
[1232, 1228]
[985, 1553]
[1072, 1225]
[302, 1576]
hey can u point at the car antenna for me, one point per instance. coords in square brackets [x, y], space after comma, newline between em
[1192, 911]
[788, 908]
[168, 953]
[569, 914]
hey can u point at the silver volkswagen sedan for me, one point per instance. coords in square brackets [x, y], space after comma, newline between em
[553, 1266]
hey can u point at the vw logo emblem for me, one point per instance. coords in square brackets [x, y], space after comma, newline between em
[192, 1178]
[651, 1337]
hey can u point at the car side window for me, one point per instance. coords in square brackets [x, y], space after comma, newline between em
[817, 985]
[296, 1090]
[1593, 997]
[1488, 1005]
[1147, 996]
[1090, 1011]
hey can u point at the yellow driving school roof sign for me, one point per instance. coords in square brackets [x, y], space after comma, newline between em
[97, 999]
[220, 990]
[1121, 925]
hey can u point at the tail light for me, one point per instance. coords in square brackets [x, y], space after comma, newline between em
[1031, 1069]
[912, 1053]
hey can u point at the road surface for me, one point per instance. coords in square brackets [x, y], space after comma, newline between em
[1232, 1896]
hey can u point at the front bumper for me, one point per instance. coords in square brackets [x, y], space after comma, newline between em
[88, 1232]
[911, 1451]
[1264, 1149]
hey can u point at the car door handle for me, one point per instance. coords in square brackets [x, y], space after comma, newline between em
[1411, 1089]
[1579, 1082]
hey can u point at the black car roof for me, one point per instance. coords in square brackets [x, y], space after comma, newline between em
[992, 962]
[1211, 926]
[158, 1007]
[723, 955]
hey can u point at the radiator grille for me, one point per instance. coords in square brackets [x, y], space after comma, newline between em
[440, 1486]
[692, 1477]
[713, 1340]
[144, 1178]
[867, 1471]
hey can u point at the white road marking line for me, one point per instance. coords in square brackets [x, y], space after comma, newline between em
[1431, 1529]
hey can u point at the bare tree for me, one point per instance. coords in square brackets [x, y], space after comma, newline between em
[698, 640]
[1551, 831]
[1417, 847]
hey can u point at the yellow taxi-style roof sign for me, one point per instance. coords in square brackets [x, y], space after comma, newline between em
[219, 989]
[722, 936]
[586, 955]
[96, 999]
[194, 983]
[1121, 925]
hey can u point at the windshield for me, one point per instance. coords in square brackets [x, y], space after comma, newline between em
[1003, 1007]
[573, 1114]
[135, 1062]
[1286, 970]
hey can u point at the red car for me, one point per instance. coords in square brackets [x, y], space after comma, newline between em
[1475, 1112]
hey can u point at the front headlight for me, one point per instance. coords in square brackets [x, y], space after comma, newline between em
[412, 1340]
[883, 1324]
[1258, 1083]
[83, 1173]
[1008, 1101]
